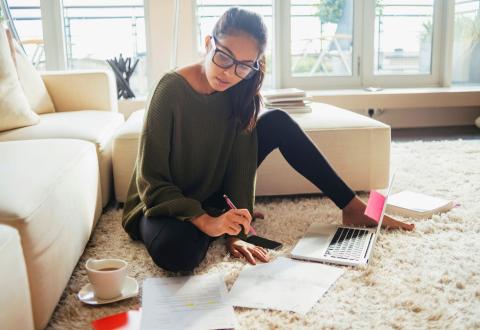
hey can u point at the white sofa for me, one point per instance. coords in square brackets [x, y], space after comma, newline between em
[358, 148]
[16, 309]
[55, 175]
[86, 109]
[51, 195]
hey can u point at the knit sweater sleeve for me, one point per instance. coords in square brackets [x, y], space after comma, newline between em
[239, 182]
[159, 194]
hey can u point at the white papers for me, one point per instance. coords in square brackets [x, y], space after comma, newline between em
[412, 204]
[283, 284]
[189, 302]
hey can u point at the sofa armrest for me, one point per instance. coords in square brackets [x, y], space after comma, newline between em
[82, 90]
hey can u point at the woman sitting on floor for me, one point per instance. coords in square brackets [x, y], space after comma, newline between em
[205, 134]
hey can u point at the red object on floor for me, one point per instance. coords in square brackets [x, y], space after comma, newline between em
[129, 320]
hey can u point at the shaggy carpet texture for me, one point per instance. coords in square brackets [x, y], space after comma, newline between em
[429, 278]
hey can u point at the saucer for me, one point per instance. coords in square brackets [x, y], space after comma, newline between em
[130, 289]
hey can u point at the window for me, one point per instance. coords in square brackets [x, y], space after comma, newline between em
[321, 38]
[405, 50]
[351, 44]
[93, 32]
[313, 44]
[466, 42]
[96, 31]
[27, 18]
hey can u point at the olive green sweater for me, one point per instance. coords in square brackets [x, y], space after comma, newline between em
[190, 149]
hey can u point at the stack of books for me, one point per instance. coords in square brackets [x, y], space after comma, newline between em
[292, 100]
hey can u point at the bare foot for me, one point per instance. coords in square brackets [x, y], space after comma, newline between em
[353, 215]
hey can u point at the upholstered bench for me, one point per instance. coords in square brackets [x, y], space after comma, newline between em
[357, 147]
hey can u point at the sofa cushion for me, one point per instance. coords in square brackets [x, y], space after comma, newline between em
[97, 127]
[89, 125]
[51, 195]
[30, 80]
[15, 301]
[14, 108]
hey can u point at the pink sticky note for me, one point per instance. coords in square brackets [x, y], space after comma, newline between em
[375, 205]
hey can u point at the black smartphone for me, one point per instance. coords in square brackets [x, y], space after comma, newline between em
[264, 242]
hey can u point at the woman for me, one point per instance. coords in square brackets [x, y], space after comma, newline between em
[201, 139]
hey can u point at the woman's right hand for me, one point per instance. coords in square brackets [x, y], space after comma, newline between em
[230, 222]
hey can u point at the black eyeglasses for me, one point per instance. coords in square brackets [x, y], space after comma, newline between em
[225, 61]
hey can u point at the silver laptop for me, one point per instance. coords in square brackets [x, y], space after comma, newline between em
[351, 246]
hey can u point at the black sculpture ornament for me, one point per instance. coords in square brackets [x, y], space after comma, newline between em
[123, 71]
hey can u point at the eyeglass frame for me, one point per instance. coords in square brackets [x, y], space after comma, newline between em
[235, 63]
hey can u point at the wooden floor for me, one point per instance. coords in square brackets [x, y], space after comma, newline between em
[436, 133]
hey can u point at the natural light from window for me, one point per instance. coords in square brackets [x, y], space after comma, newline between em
[403, 36]
[321, 37]
[96, 31]
[28, 23]
[466, 43]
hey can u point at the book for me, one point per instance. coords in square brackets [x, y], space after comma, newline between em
[275, 94]
[292, 100]
[416, 205]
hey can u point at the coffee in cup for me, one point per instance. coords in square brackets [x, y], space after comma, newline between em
[107, 277]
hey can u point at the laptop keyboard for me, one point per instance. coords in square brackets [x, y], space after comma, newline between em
[347, 243]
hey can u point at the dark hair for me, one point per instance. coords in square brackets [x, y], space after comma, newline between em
[245, 96]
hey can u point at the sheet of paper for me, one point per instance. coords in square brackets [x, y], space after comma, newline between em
[283, 284]
[189, 302]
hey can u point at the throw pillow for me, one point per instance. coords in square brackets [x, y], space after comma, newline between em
[30, 80]
[14, 108]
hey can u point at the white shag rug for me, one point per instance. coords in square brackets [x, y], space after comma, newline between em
[429, 278]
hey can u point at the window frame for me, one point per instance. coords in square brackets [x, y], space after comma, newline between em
[363, 53]
[323, 82]
[160, 45]
[431, 79]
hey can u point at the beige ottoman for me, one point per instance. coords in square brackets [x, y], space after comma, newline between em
[357, 147]
[15, 304]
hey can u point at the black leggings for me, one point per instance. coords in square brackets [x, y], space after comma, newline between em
[180, 246]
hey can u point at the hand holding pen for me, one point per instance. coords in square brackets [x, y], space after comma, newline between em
[232, 206]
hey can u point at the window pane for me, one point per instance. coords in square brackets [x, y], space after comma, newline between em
[209, 11]
[466, 43]
[321, 43]
[96, 31]
[28, 23]
[403, 36]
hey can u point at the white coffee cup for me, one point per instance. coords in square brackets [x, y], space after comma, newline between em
[107, 277]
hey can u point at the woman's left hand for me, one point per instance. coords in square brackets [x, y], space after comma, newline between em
[239, 248]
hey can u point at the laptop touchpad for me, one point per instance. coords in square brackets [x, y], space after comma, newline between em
[315, 241]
